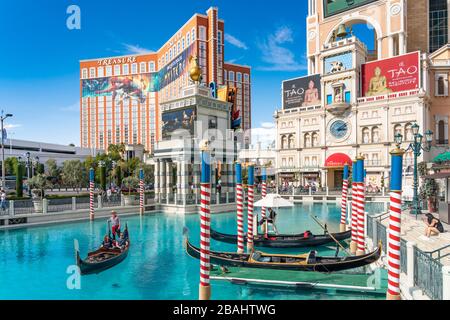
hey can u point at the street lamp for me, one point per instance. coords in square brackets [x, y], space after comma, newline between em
[417, 146]
[3, 118]
[28, 166]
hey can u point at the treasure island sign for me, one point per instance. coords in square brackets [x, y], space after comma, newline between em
[396, 74]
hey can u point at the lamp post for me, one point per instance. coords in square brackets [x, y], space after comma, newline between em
[28, 166]
[417, 146]
[35, 165]
[3, 118]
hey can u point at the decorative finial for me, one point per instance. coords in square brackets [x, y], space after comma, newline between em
[204, 145]
[195, 72]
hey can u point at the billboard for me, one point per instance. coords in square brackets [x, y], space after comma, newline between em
[391, 75]
[177, 120]
[302, 92]
[136, 86]
[332, 7]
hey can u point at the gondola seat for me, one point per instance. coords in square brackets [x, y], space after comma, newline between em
[312, 257]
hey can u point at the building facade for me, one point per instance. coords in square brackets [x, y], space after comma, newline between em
[359, 93]
[120, 97]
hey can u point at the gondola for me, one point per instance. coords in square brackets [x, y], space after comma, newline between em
[303, 262]
[101, 259]
[285, 240]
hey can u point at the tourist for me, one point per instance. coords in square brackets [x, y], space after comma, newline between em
[3, 199]
[107, 242]
[108, 194]
[433, 226]
[122, 242]
[115, 224]
[219, 186]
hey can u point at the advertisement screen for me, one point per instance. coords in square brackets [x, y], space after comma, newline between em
[391, 75]
[177, 120]
[333, 7]
[302, 92]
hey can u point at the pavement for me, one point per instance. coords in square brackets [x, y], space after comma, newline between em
[414, 230]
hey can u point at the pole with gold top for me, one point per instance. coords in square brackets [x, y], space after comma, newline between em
[251, 192]
[141, 191]
[343, 226]
[264, 194]
[361, 244]
[205, 224]
[395, 222]
[240, 208]
[354, 220]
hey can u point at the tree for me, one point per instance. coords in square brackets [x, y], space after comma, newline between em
[19, 179]
[72, 173]
[115, 151]
[149, 173]
[52, 168]
[131, 183]
[10, 165]
[38, 184]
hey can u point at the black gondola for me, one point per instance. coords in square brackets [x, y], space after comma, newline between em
[303, 262]
[101, 259]
[285, 240]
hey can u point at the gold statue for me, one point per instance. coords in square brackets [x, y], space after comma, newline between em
[378, 84]
[195, 72]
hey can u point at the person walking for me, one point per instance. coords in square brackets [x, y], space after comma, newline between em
[3, 200]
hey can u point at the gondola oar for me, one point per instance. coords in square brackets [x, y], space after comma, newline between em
[331, 236]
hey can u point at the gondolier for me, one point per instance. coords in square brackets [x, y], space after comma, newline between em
[115, 224]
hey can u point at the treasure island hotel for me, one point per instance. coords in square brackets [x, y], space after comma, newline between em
[120, 96]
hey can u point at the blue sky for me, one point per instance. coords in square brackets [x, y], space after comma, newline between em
[39, 56]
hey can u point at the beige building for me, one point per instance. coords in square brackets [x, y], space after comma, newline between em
[371, 74]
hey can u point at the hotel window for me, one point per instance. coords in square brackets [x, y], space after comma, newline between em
[179, 47]
[441, 138]
[375, 135]
[225, 75]
[151, 66]
[183, 44]
[246, 78]
[231, 76]
[408, 132]
[134, 68]
[142, 67]
[91, 72]
[188, 39]
[167, 57]
[202, 33]
[193, 35]
[84, 73]
[117, 70]
[365, 135]
[100, 72]
[239, 77]
[109, 71]
[126, 69]
[441, 85]
[438, 24]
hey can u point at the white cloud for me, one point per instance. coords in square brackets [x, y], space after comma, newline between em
[235, 41]
[75, 107]
[265, 134]
[274, 53]
[10, 126]
[135, 49]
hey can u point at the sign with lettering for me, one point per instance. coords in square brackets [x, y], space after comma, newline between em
[302, 92]
[396, 74]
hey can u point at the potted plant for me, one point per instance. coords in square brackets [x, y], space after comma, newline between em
[38, 184]
[131, 184]
[428, 192]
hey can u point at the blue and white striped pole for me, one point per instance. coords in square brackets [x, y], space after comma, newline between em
[91, 193]
[395, 223]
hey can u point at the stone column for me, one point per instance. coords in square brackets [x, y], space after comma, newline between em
[162, 178]
[184, 185]
[157, 180]
[401, 43]
[179, 186]
[379, 48]
[169, 176]
[391, 45]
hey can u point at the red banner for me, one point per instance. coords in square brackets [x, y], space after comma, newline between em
[396, 74]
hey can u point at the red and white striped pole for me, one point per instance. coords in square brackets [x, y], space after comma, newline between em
[141, 191]
[395, 223]
[205, 227]
[343, 226]
[264, 194]
[240, 209]
[354, 222]
[251, 199]
[91, 193]
[361, 247]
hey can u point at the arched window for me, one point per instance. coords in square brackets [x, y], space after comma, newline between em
[307, 140]
[441, 133]
[375, 135]
[441, 86]
[365, 135]
[408, 132]
[291, 142]
[315, 139]
[284, 142]
[398, 129]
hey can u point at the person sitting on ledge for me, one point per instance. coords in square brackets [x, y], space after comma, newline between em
[433, 225]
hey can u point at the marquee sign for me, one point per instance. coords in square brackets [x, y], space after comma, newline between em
[386, 76]
[333, 7]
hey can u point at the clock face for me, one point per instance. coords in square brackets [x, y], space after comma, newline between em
[339, 129]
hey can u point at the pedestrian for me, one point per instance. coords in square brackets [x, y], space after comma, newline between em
[3, 200]
[108, 194]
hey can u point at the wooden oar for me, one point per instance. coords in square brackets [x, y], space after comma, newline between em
[332, 237]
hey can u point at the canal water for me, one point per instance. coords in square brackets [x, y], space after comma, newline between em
[34, 262]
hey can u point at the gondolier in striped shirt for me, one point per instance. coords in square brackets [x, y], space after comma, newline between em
[115, 224]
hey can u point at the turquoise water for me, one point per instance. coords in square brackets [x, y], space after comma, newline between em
[34, 261]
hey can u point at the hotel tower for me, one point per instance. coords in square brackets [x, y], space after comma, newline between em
[120, 97]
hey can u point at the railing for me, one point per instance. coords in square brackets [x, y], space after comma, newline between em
[403, 256]
[440, 253]
[428, 274]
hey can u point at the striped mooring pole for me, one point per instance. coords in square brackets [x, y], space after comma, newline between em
[240, 209]
[205, 226]
[91, 193]
[264, 194]
[354, 220]
[141, 191]
[395, 222]
[361, 247]
[343, 226]
[251, 199]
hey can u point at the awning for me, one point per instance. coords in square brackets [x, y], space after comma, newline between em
[338, 160]
[443, 157]
[439, 175]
